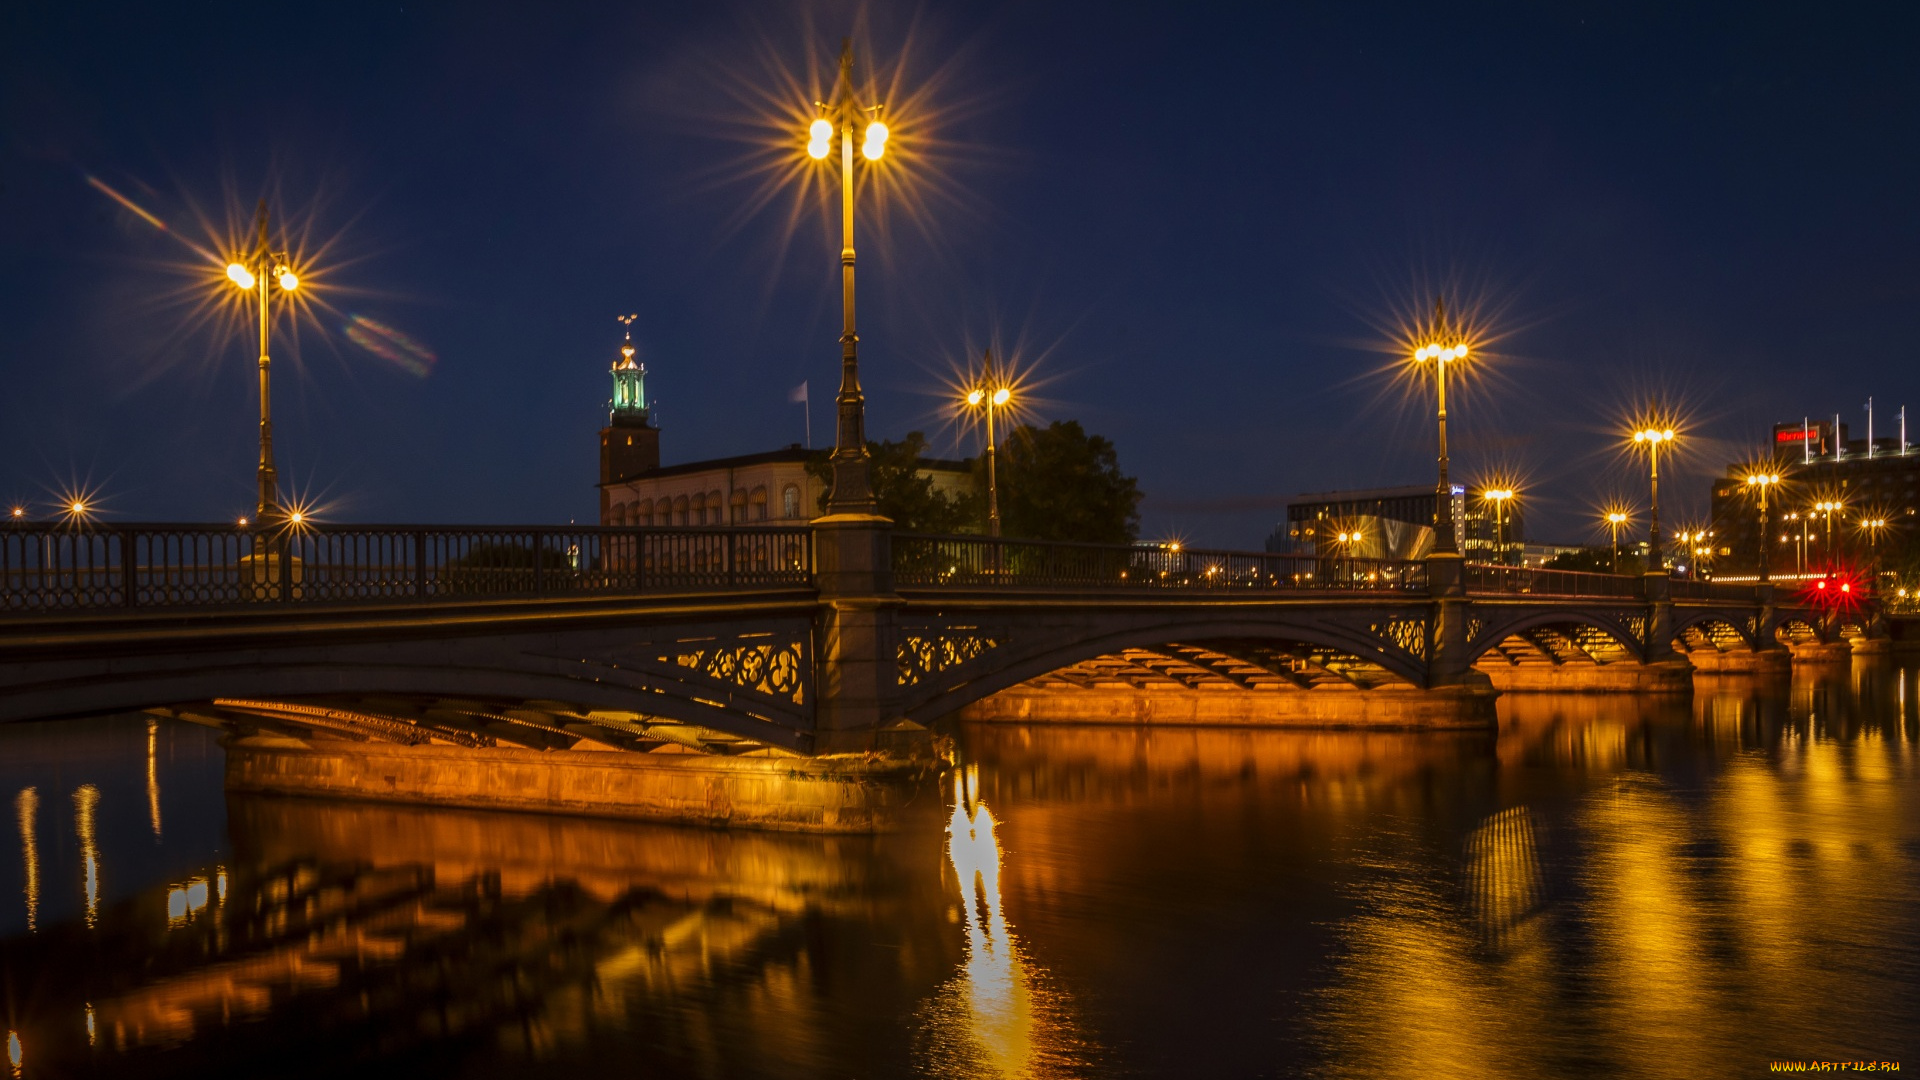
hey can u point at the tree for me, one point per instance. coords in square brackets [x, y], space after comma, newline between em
[903, 492]
[1060, 483]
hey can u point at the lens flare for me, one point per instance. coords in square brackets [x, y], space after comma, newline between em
[390, 345]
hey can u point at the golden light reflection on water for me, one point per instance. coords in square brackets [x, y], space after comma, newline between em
[1681, 924]
[86, 798]
[995, 1017]
[153, 775]
[26, 808]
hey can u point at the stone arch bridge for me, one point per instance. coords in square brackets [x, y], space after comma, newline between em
[841, 636]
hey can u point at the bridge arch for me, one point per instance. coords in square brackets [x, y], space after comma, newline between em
[1576, 627]
[1696, 628]
[1020, 654]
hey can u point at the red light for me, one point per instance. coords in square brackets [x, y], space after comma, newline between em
[1819, 584]
[1846, 586]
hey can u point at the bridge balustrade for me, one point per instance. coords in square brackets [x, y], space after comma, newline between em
[1489, 579]
[1686, 589]
[54, 568]
[922, 561]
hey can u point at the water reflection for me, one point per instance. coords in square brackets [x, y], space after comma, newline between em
[26, 808]
[86, 799]
[1612, 886]
[153, 775]
[996, 1016]
[344, 933]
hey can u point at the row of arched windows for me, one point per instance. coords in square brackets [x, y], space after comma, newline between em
[743, 507]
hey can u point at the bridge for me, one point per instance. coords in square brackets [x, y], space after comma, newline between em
[839, 636]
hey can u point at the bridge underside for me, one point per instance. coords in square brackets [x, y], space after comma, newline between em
[472, 723]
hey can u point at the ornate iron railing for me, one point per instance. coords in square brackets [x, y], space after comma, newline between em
[1685, 589]
[56, 568]
[1486, 579]
[921, 561]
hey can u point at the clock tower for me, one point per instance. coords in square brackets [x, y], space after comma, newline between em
[629, 444]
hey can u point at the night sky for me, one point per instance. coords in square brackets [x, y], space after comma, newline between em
[1196, 225]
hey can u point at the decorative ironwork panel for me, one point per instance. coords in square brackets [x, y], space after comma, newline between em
[1409, 635]
[924, 652]
[777, 669]
[1475, 627]
[1637, 624]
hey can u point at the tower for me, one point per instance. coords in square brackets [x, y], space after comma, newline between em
[629, 444]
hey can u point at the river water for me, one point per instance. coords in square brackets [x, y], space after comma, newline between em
[1610, 887]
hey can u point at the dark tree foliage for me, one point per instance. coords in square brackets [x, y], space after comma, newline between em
[904, 494]
[1060, 483]
[1598, 560]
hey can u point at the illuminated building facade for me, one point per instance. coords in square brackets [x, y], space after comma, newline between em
[771, 487]
[1819, 464]
[1391, 523]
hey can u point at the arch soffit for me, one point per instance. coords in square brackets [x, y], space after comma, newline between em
[1495, 633]
[998, 669]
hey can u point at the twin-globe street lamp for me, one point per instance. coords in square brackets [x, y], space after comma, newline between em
[991, 395]
[1762, 482]
[1615, 519]
[1499, 497]
[1827, 508]
[852, 491]
[264, 271]
[1653, 439]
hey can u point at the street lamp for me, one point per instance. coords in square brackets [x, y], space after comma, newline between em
[1826, 508]
[852, 491]
[1761, 482]
[1498, 497]
[1449, 347]
[262, 272]
[1872, 527]
[1653, 439]
[1346, 541]
[990, 396]
[1615, 519]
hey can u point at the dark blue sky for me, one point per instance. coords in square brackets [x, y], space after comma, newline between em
[1195, 220]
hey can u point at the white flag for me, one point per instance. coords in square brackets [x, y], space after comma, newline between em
[798, 394]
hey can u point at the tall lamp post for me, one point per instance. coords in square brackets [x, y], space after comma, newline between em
[264, 271]
[1761, 482]
[1615, 519]
[1448, 348]
[1499, 498]
[990, 396]
[852, 470]
[1653, 439]
[1872, 527]
[1826, 508]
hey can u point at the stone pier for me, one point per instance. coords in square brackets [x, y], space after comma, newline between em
[1383, 707]
[839, 794]
[1776, 661]
[1623, 677]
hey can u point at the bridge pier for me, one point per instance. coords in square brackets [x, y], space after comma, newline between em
[784, 793]
[1773, 661]
[858, 707]
[1386, 708]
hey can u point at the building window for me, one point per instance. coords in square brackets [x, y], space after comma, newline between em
[790, 501]
[619, 515]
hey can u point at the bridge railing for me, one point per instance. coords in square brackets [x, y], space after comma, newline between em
[1686, 589]
[55, 568]
[1486, 579]
[922, 561]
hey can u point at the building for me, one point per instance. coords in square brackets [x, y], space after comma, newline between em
[1877, 480]
[1397, 523]
[770, 487]
[1538, 555]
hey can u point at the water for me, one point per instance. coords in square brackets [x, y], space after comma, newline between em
[1610, 887]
